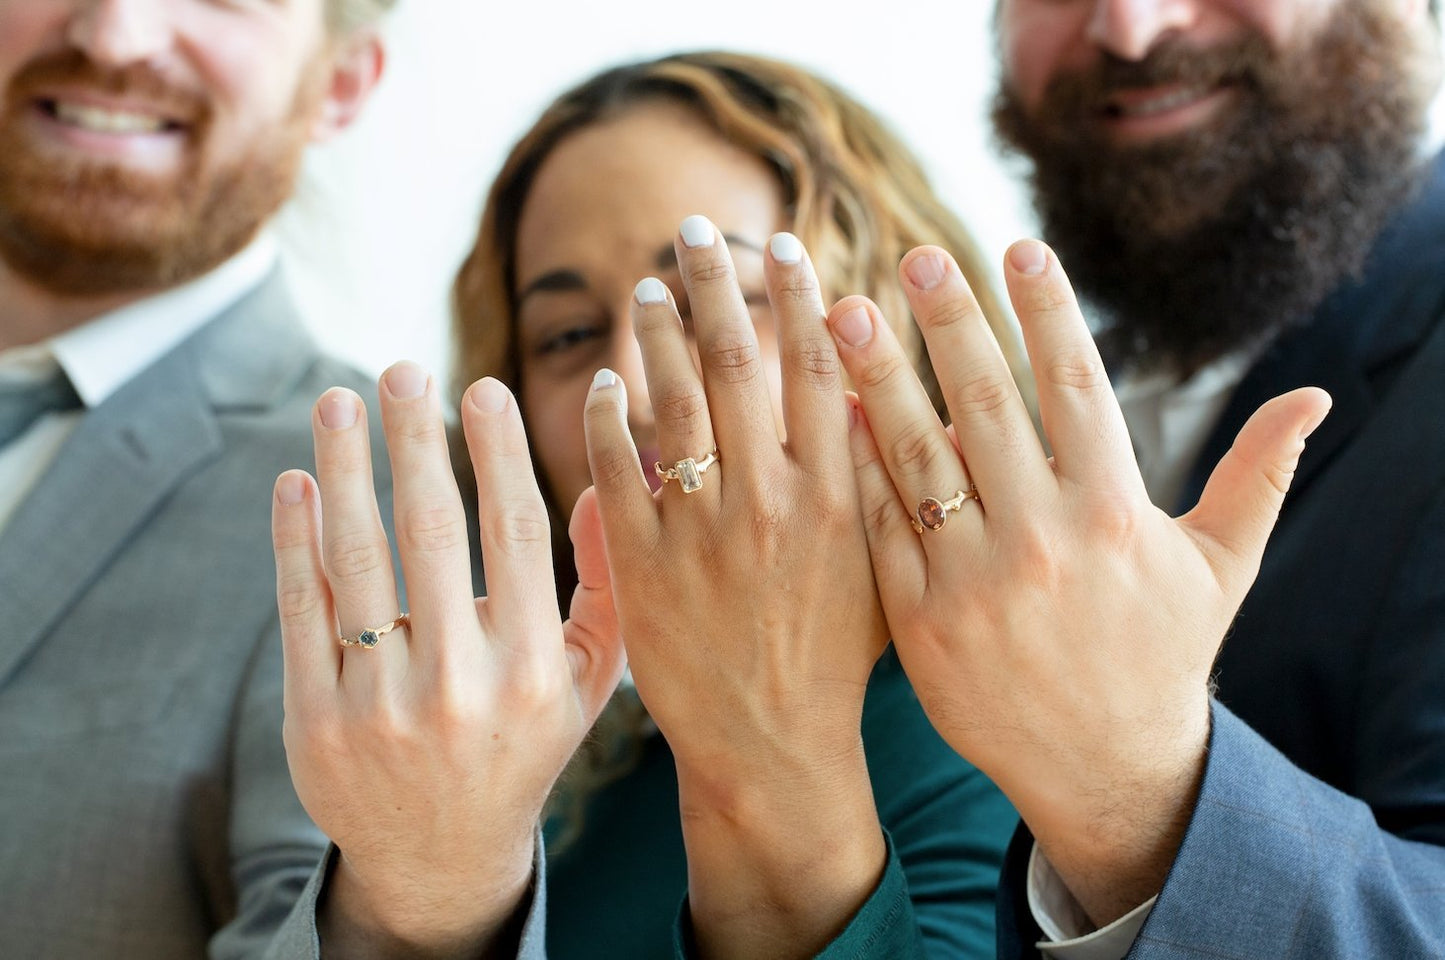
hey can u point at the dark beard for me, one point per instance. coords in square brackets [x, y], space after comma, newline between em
[94, 229]
[1217, 240]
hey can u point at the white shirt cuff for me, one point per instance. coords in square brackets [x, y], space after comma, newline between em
[1067, 930]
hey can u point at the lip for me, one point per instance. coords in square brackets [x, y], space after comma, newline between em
[149, 150]
[1153, 113]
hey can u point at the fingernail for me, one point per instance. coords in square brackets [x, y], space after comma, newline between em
[926, 271]
[488, 395]
[337, 409]
[651, 290]
[291, 489]
[406, 380]
[697, 231]
[603, 379]
[854, 327]
[1029, 257]
[786, 248]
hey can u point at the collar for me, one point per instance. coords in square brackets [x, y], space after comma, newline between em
[105, 354]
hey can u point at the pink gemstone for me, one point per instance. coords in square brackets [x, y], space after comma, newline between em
[931, 513]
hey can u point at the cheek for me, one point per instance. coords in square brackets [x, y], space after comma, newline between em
[1039, 38]
[27, 30]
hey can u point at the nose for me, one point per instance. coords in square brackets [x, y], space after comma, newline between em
[119, 33]
[625, 359]
[1129, 29]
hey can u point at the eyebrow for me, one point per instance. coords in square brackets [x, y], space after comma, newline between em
[571, 281]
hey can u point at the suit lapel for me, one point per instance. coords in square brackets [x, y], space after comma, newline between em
[131, 453]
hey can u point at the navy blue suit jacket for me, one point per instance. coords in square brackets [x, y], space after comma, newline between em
[1320, 828]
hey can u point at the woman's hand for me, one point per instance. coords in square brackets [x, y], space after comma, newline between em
[1059, 629]
[428, 757]
[748, 606]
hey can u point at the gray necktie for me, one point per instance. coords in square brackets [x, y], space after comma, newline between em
[21, 406]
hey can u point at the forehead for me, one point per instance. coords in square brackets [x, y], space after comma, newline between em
[617, 190]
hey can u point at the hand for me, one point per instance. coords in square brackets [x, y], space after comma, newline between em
[748, 606]
[1059, 629]
[427, 758]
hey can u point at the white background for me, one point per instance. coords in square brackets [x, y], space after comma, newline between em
[386, 213]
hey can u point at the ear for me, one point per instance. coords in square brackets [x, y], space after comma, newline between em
[357, 63]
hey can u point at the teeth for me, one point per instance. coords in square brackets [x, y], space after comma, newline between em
[107, 121]
[1163, 104]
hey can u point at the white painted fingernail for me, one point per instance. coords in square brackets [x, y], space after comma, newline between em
[786, 248]
[697, 231]
[605, 378]
[651, 290]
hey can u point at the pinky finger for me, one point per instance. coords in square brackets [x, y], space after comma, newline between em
[303, 597]
[900, 566]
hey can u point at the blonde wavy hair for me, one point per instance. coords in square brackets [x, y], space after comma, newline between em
[858, 199]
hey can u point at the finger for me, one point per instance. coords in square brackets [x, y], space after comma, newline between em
[516, 533]
[629, 513]
[920, 459]
[899, 561]
[308, 623]
[1081, 416]
[354, 544]
[988, 414]
[727, 345]
[1241, 501]
[431, 527]
[679, 404]
[814, 411]
[592, 633]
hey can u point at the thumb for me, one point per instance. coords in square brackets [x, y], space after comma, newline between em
[1241, 501]
[592, 633]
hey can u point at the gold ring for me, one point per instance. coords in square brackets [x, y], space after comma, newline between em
[367, 639]
[687, 471]
[933, 513]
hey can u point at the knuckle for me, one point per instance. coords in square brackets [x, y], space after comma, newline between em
[1084, 374]
[298, 602]
[732, 359]
[981, 396]
[950, 313]
[879, 518]
[796, 289]
[614, 468]
[916, 450]
[709, 271]
[880, 371]
[356, 556]
[816, 364]
[420, 431]
[521, 529]
[680, 406]
[431, 529]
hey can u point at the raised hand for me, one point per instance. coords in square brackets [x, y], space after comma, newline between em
[1059, 629]
[427, 757]
[747, 604]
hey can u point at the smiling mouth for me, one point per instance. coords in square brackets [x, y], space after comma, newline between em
[107, 121]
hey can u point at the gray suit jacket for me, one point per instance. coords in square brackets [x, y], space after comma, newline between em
[146, 810]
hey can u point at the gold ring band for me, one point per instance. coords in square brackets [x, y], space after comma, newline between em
[367, 639]
[687, 471]
[932, 513]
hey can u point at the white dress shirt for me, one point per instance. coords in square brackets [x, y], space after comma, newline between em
[1169, 423]
[106, 353]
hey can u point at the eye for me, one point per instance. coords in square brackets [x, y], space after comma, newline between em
[566, 337]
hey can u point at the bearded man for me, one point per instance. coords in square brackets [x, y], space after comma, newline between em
[154, 380]
[1239, 189]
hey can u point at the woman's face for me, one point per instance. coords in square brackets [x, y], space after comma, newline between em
[601, 215]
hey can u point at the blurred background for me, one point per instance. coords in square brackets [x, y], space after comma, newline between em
[386, 213]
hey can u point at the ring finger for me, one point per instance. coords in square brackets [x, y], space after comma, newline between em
[929, 475]
[355, 550]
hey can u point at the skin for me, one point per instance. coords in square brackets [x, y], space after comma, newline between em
[1042, 39]
[581, 250]
[246, 60]
[1111, 862]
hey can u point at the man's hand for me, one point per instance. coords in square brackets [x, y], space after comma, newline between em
[1059, 629]
[427, 758]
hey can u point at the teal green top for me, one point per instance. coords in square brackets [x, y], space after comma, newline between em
[618, 890]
